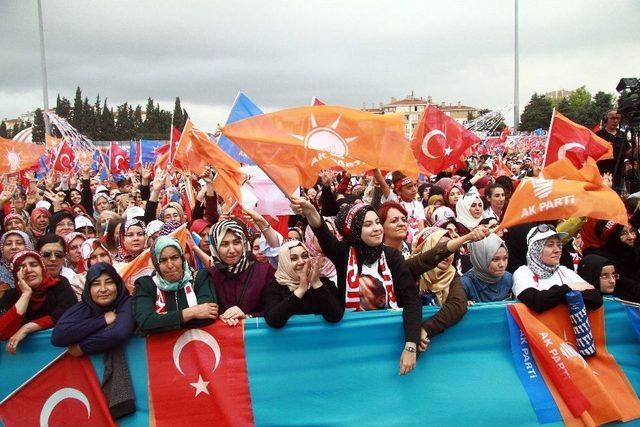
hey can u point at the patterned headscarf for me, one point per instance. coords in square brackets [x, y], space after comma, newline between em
[349, 223]
[534, 260]
[217, 233]
[6, 276]
[123, 253]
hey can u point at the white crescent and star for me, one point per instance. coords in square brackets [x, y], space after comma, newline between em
[562, 151]
[425, 143]
[59, 396]
[206, 338]
[66, 164]
[119, 158]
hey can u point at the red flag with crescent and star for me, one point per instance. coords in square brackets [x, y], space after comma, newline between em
[199, 377]
[439, 141]
[64, 158]
[118, 158]
[67, 392]
[575, 142]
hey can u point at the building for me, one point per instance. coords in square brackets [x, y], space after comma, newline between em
[557, 95]
[412, 108]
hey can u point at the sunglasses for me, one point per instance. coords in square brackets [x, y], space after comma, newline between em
[542, 228]
[55, 254]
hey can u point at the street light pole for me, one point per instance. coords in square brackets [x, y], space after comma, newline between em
[516, 77]
[43, 63]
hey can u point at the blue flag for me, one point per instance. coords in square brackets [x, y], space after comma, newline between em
[148, 150]
[242, 108]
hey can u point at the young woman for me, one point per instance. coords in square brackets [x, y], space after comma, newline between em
[495, 195]
[239, 281]
[488, 280]
[92, 251]
[469, 211]
[601, 273]
[543, 282]
[362, 253]
[171, 298]
[132, 240]
[37, 302]
[299, 289]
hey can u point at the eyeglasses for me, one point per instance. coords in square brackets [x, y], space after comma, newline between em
[542, 228]
[55, 254]
[609, 276]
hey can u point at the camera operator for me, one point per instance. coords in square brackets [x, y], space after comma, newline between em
[621, 149]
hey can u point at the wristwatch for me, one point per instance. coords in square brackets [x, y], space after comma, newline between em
[410, 349]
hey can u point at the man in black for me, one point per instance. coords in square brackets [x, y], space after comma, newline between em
[618, 140]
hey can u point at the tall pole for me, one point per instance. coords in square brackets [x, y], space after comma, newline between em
[43, 63]
[516, 77]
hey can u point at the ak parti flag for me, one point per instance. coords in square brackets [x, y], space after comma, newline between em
[292, 146]
[439, 141]
[67, 392]
[196, 152]
[575, 142]
[17, 156]
[199, 377]
[167, 153]
[563, 191]
[142, 264]
[590, 391]
[65, 158]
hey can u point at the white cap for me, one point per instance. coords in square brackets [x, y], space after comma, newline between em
[133, 212]
[153, 227]
[101, 188]
[43, 204]
[82, 221]
[536, 233]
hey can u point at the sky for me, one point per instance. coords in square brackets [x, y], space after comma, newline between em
[280, 53]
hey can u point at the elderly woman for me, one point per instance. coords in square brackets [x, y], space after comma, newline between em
[543, 282]
[239, 280]
[299, 289]
[15, 221]
[74, 259]
[39, 221]
[132, 240]
[11, 243]
[61, 223]
[37, 302]
[488, 280]
[366, 268]
[171, 298]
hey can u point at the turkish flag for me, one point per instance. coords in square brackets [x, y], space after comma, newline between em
[17, 156]
[118, 158]
[65, 158]
[504, 134]
[65, 393]
[199, 377]
[439, 141]
[563, 191]
[167, 153]
[575, 142]
[316, 101]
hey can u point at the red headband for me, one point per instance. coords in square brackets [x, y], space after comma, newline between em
[346, 228]
[402, 182]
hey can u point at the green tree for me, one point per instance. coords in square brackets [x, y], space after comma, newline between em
[137, 122]
[4, 133]
[602, 103]
[124, 122]
[88, 120]
[38, 131]
[178, 118]
[63, 107]
[97, 126]
[536, 114]
[78, 109]
[107, 123]
[580, 102]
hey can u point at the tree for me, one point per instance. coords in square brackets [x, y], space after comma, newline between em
[88, 120]
[63, 107]
[602, 103]
[38, 131]
[580, 106]
[536, 114]
[107, 124]
[97, 126]
[178, 118]
[137, 121]
[124, 128]
[4, 133]
[78, 108]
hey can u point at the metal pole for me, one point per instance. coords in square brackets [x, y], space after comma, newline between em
[43, 63]
[516, 77]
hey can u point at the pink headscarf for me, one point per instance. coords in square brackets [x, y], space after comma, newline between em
[328, 269]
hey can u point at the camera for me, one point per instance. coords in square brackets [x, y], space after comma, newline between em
[629, 102]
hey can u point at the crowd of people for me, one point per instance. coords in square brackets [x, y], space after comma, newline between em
[381, 241]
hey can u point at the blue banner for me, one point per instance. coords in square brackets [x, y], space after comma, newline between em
[242, 108]
[541, 399]
[315, 373]
[148, 150]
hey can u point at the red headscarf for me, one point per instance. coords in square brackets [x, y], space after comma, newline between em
[39, 294]
[38, 232]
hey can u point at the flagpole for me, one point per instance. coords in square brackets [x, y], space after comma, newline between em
[43, 64]
[516, 76]
[546, 149]
[13, 393]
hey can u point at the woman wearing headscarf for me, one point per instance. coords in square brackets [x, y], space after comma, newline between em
[362, 253]
[171, 298]
[238, 279]
[488, 280]
[469, 211]
[621, 248]
[11, 243]
[601, 273]
[74, 259]
[543, 282]
[15, 221]
[327, 269]
[299, 289]
[92, 251]
[39, 221]
[37, 302]
[172, 211]
[132, 240]
[100, 323]
[61, 223]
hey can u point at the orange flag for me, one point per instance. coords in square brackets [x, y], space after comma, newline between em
[17, 156]
[292, 146]
[142, 265]
[563, 191]
[590, 391]
[575, 142]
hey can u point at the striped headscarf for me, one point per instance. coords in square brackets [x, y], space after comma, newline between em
[217, 233]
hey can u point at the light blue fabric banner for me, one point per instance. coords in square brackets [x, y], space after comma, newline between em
[242, 108]
[314, 373]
